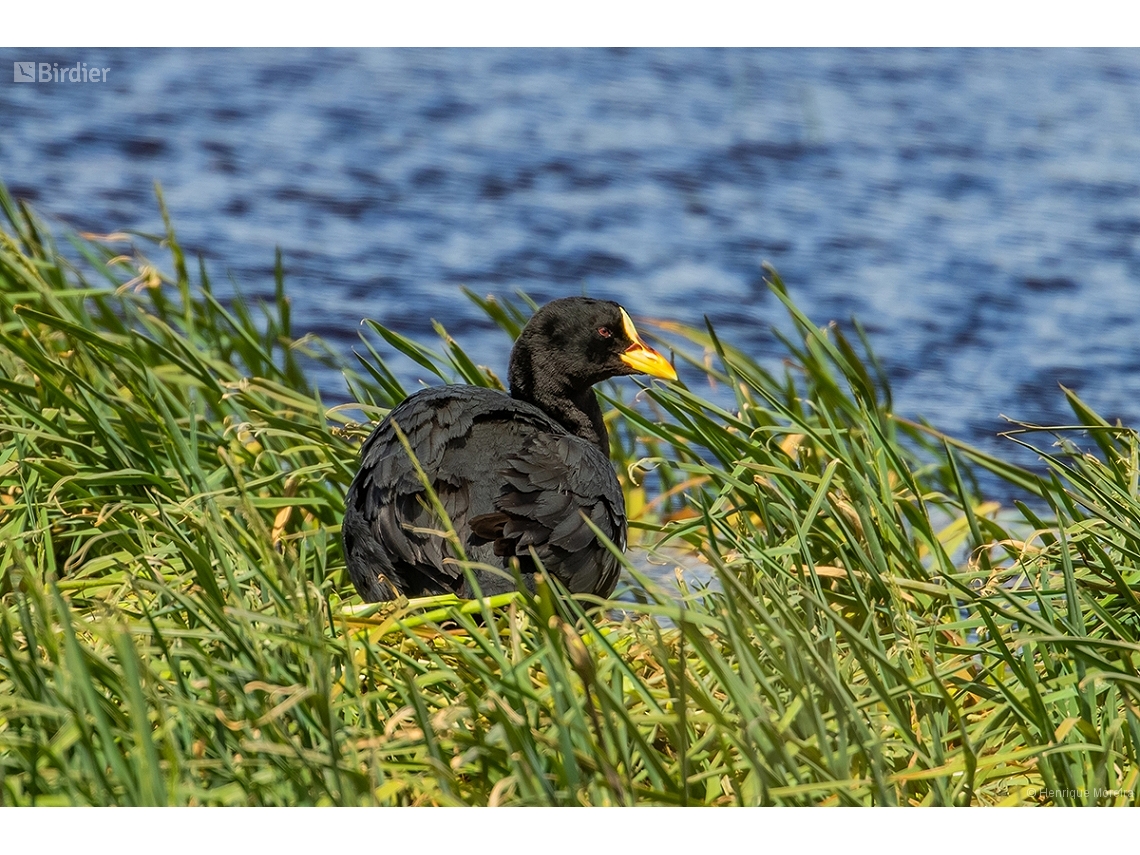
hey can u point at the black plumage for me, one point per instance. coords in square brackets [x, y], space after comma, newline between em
[517, 475]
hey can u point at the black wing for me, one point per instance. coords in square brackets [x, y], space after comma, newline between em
[554, 484]
[509, 478]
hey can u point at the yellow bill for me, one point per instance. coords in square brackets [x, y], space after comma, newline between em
[641, 357]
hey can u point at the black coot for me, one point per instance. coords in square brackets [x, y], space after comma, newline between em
[514, 473]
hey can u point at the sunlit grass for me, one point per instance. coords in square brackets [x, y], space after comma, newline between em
[176, 626]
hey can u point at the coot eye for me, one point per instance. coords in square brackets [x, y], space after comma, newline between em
[605, 332]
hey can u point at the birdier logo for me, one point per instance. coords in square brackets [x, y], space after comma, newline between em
[53, 72]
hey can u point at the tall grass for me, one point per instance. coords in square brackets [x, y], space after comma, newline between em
[176, 626]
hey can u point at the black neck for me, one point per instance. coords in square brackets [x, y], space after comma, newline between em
[576, 410]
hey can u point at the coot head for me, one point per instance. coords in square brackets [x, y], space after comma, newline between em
[573, 343]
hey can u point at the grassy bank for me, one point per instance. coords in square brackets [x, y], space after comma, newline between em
[176, 626]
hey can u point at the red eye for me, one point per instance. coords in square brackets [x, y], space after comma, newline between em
[605, 332]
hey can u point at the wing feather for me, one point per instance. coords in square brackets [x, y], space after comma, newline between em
[510, 480]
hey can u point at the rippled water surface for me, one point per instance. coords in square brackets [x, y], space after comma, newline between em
[978, 211]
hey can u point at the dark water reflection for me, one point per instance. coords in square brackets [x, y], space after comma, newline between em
[978, 211]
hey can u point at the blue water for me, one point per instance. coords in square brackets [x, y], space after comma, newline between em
[978, 211]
